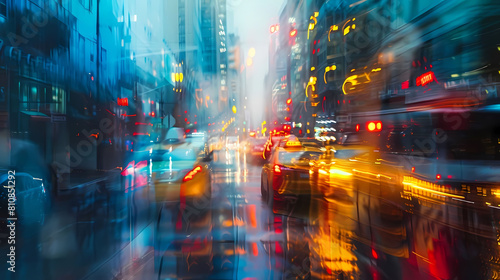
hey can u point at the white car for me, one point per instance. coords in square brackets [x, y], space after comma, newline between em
[232, 143]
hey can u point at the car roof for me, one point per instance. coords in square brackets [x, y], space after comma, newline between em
[180, 151]
[175, 135]
[299, 148]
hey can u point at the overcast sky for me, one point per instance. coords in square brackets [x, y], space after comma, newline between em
[252, 19]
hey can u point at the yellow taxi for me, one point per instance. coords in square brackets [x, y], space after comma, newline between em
[180, 170]
[286, 174]
[345, 174]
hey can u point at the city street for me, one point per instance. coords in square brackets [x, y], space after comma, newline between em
[235, 235]
[249, 140]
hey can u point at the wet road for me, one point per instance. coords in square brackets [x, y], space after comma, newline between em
[117, 234]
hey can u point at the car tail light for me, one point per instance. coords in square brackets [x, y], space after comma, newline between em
[374, 254]
[127, 170]
[141, 164]
[374, 126]
[277, 169]
[192, 173]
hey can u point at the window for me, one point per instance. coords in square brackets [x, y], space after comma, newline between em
[87, 4]
[3, 8]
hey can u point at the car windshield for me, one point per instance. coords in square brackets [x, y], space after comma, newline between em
[174, 155]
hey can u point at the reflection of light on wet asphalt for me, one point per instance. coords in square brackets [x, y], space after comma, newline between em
[238, 167]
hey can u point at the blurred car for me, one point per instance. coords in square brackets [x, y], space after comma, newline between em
[135, 172]
[287, 172]
[32, 201]
[271, 142]
[215, 143]
[178, 170]
[232, 143]
[199, 140]
[345, 174]
[332, 172]
[314, 143]
[255, 147]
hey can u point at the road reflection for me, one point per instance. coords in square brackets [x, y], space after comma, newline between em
[356, 223]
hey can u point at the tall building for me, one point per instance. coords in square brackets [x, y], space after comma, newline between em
[222, 55]
[236, 82]
[208, 32]
[65, 66]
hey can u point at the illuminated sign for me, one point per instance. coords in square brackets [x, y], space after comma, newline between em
[405, 85]
[311, 83]
[328, 69]
[122, 101]
[350, 80]
[332, 28]
[293, 144]
[426, 79]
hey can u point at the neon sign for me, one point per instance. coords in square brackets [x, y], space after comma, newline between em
[122, 101]
[426, 78]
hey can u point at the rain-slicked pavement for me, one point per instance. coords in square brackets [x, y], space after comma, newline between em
[235, 235]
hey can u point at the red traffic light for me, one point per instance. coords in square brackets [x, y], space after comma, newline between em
[293, 33]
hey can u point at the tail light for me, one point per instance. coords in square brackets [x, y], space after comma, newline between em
[127, 170]
[277, 169]
[141, 164]
[374, 126]
[192, 173]
[374, 254]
